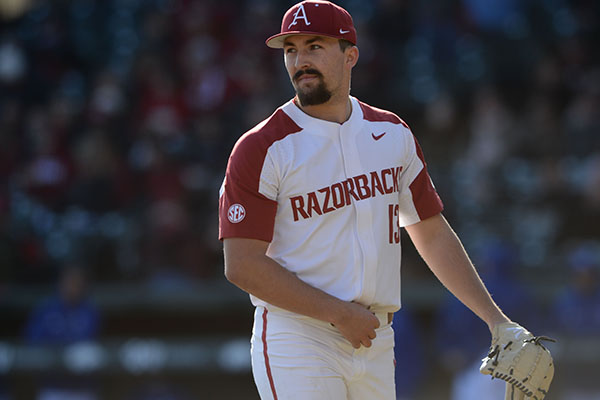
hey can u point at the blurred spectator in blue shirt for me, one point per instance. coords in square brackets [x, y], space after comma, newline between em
[68, 316]
[577, 309]
[576, 313]
[65, 318]
[461, 337]
[409, 355]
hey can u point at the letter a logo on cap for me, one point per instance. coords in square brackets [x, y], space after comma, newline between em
[298, 16]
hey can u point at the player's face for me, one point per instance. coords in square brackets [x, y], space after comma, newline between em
[315, 65]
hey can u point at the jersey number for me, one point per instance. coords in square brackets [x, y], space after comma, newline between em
[394, 226]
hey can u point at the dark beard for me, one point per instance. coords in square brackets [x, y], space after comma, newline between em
[316, 96]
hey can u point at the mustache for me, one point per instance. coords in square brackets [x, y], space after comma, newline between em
[306, 71]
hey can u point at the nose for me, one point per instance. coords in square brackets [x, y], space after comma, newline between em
[302, 60]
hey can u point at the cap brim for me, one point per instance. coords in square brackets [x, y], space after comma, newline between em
[276, 41]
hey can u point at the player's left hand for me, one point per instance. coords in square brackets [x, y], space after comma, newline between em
[520, 359]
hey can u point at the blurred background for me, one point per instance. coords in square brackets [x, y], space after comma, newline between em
[116, 121]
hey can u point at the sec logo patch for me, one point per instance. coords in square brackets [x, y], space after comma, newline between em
[236, 213]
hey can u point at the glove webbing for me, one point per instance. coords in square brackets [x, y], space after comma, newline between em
[508, 377]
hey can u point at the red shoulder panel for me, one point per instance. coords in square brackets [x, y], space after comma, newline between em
[256, 216]
[425, 197]
[375, 114]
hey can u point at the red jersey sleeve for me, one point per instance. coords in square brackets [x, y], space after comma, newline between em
[243, 210]
[426, 199]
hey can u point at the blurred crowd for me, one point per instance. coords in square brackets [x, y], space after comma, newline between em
[117, 118]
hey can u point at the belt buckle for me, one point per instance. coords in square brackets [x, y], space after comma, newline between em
[383, 317]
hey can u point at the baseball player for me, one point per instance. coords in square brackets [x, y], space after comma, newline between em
[310, 212]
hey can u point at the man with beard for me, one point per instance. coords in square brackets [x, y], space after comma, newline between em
[310, 214]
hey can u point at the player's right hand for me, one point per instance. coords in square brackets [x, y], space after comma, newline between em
[357, 324]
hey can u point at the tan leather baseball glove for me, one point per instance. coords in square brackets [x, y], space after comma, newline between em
[518, 357]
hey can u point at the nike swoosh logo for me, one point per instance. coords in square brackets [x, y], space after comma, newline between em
[378, 136]
[343, 32]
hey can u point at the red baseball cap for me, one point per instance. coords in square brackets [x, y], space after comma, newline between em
[315, 17]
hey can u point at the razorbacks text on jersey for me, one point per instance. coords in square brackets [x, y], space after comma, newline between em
[314, 189]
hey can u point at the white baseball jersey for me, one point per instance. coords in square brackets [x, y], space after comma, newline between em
[330, 198]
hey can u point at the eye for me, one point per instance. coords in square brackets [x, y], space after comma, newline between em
[315, 46]
[290, 50]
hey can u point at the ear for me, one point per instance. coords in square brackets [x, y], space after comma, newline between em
[351, 55]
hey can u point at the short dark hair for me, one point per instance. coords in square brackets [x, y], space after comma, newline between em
[344, 44]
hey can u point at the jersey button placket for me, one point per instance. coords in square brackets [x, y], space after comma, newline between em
[351, 165]
[363, 230]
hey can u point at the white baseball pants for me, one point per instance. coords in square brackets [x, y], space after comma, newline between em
[295, 357]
